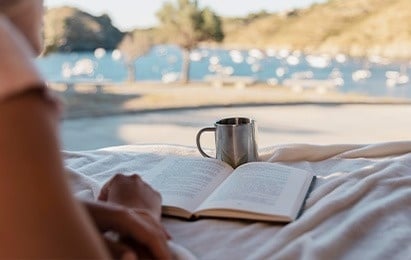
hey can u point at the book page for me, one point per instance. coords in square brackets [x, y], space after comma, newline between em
[186, 182]
[266, 188]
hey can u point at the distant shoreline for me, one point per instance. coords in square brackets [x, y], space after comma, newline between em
[109, 99]
[245, 47]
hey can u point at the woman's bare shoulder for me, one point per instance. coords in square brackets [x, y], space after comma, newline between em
[17, 69]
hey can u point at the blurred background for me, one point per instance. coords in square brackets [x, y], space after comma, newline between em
[333, 71]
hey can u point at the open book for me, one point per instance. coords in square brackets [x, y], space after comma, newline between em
[202, 187]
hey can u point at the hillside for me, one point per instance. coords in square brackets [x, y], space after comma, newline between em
[355, 27]
[69, 29]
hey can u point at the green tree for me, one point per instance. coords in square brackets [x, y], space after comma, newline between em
[133, 46]
[187, 25]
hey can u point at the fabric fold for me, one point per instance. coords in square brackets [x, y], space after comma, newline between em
[358, 209]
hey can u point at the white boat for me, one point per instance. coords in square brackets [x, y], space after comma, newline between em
[82, 67]
[271, 52]
[99, 53]
[236, 56]
[395, 78]
[335, 73]
[403, 79]
[280, 72]
[256, 67]
[195, 56]
[293, 60]
[283, 53]
[361, 74]
[341, 58]
[378, 60]
[227, 71]
[214, 68]
[116, 54]
[390, 83]
[338, 81]
[256, 53]
[66, 70]
[392, 74]
[318, 61]
[170, 77]
[214, 60]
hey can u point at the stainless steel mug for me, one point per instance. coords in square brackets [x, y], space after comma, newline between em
[235, 140]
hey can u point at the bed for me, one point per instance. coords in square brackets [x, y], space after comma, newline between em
[360, 207]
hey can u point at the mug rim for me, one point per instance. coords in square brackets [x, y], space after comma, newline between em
[233, 121]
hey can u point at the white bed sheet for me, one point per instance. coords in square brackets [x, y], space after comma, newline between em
[360, 207]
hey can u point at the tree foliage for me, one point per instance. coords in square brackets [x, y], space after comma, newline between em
[212, 26]
[133, 46]
[187, 25]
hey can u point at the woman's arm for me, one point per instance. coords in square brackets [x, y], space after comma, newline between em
[42, 219]
[39, 217]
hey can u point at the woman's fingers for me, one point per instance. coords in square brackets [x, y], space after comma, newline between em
[131, 191]
[149, 233]
[146, 214]
[120, 250]
[104, 191]
[139, 220]
[138, 225]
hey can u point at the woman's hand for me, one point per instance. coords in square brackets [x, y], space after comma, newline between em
[140, 201]
[132, 192]
[129, 233]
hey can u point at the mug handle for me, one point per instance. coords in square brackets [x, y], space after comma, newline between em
[206, 129]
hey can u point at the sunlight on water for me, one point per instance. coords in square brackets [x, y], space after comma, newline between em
[374, 76]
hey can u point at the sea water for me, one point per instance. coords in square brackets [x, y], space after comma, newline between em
[374, 77]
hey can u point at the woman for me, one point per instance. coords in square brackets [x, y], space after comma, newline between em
[39, 217]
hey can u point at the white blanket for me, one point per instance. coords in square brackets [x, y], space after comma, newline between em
[360, 207]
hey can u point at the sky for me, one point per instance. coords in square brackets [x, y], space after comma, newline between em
[129, 14]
